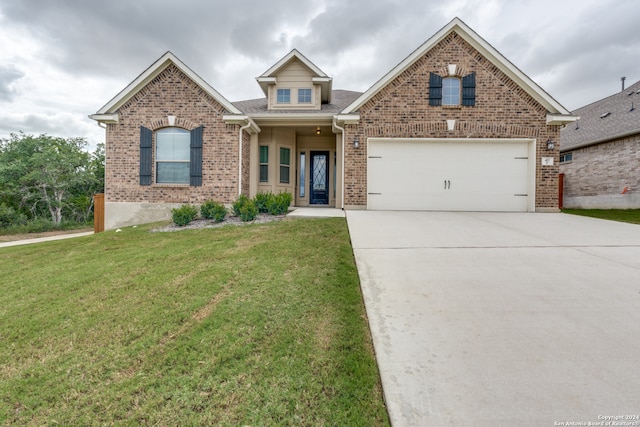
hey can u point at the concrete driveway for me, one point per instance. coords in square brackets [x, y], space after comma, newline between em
[502, 319]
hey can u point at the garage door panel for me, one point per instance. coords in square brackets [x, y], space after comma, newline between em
[485, 175]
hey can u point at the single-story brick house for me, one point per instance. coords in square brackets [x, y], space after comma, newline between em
[454, 126]
[600, 153]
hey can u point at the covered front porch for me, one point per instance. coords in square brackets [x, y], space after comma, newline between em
[302, 159]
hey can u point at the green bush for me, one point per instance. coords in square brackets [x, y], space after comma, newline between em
[213, 210]
[248, 211]
[239, 203]
[184, 215]
[279, 204]
[262, 200]
[10, 217]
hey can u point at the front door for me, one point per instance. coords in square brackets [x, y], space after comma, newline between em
[319, 185]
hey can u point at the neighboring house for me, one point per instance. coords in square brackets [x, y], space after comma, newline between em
[454, 126]
[600, 154]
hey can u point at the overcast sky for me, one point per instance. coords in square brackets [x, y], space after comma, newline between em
[62, 60]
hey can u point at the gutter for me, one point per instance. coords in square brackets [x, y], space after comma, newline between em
[246, 123]
[335, 124]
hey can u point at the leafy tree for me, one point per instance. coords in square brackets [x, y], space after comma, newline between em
[46, 174]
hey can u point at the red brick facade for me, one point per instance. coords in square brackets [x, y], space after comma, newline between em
[172, 93]
[502, 110]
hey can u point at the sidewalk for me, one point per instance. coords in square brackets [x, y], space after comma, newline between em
[44, 239]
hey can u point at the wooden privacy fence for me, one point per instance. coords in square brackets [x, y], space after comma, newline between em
[561, 191]
[98, 213]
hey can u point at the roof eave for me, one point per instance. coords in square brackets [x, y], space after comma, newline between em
[104, 118]
[560, 119]
[601, 140]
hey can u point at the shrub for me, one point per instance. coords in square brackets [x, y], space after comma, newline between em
[184, 215]
[239, 203]
[10, 217]
[248, 211]
[213, 210]
[279, 204]
[262, 200]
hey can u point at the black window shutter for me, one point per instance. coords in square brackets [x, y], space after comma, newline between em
[195, 173]
[469, 89]
[435, 89]
[146, 155]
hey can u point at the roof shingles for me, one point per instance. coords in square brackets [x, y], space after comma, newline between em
[596, 126]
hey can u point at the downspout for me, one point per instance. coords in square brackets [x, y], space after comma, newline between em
[335, 123]
[242, 128]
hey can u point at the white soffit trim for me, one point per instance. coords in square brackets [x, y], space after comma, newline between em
[152, 72]
[105, 118]
[471, 37]
[560, 119]
[288, 57]
[242, 120]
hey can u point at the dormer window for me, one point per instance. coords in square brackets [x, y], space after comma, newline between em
[304, 96]
[451, 91]
[284, 96]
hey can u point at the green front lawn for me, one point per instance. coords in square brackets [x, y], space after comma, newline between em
[254, 325]
[623, 215]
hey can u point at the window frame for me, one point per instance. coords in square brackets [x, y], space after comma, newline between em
[564, 159]
[186, 160]
[448, 92]
[283, 96]
[284, 166]
[302, 99]
[263, 165]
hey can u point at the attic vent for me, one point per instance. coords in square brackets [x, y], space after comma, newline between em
[638, 91]
[632, 107]
[630, 93]
[607, 114]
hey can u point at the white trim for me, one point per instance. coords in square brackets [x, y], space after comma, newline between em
[152, 72]
[456, 25]
[349, 119]
[560, 119]
[288, 57]
[104, 118]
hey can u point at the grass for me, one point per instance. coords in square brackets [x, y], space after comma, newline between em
[623, 215]
[253, 325]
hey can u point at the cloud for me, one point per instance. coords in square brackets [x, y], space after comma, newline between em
[8, 75]
[67, 59]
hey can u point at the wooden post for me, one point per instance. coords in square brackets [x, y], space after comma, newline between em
[98, 213]
[560, 190]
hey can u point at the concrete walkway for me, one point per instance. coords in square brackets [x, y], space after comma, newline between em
[317, 212]
[490, 319]
[44, 239]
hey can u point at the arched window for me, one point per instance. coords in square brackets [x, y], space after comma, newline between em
[172, 156]
[450, 91]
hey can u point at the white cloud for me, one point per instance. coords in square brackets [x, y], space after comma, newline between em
[64, 60]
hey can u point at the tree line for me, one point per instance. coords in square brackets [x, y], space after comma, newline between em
[48, 180]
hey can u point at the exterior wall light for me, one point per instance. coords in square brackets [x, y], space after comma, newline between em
[356, 142]
[550, 144]
[318, 131]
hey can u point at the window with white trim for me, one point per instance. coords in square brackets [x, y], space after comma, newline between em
[285, 165]
[173, 156]
[284, 96]
[450, 91]
[304, 96]
[264, 163]
[566, 157]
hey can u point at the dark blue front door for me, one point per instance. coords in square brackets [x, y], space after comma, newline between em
[319, 185]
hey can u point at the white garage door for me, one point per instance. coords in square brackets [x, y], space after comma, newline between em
[450, 175]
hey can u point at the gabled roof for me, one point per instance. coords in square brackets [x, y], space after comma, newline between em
[269, 77]
[108, 112]
[613, 117]
[556, 111]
